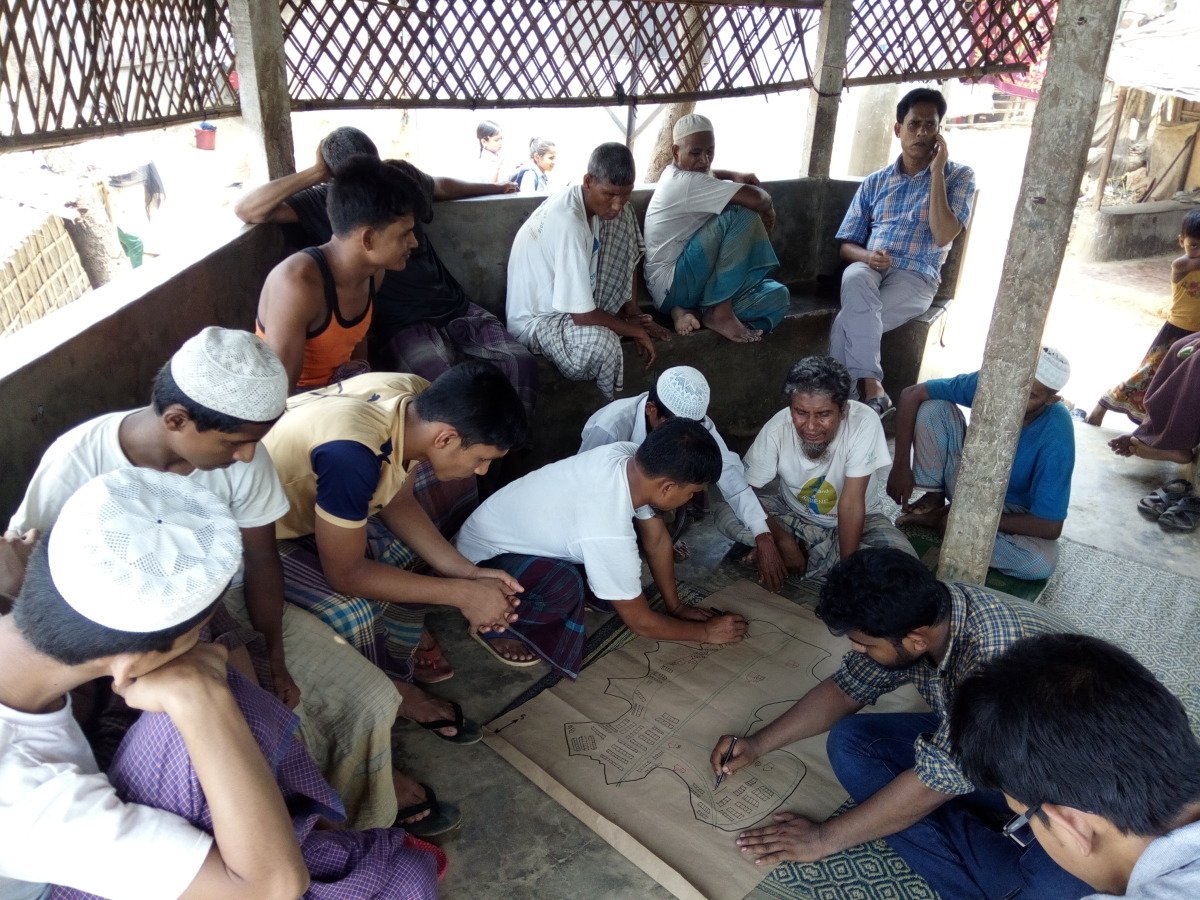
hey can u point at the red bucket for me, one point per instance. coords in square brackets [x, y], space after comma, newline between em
[206, 138]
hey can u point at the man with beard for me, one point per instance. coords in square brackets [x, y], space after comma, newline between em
[825, 449]
[895, 236]
[707, 251]
[904, 627]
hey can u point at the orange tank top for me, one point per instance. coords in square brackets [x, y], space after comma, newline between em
[331, 343]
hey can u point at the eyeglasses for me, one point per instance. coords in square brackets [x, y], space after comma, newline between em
[1019, 829]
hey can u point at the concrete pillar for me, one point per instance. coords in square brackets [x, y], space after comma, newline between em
[263, 90]
[873, 132]
[1058, 146]
[832, 33]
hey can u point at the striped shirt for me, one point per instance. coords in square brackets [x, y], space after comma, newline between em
[982, 626]
[890, 212]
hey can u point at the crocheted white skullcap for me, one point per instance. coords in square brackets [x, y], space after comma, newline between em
[692, 123]
[684, 391]
[1053, 370]
[139, 550]
[232, 372]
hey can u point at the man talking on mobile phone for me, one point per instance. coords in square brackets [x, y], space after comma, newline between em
[896, 235]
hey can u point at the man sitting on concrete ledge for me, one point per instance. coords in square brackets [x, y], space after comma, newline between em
[825, 449]
[567, 533]
[423, 322]
[707, 252]
[571, 276]
[683, 391]
[896, 235]
[929, 423]
[1096, 759]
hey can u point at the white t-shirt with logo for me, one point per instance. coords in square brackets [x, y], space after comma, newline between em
[62, 822]
[578, 509]
[682, 202]
[552, 264]
[811, 488]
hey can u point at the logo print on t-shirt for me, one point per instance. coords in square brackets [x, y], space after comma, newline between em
[819, 495]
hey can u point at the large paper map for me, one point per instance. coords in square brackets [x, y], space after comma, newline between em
[626, 747]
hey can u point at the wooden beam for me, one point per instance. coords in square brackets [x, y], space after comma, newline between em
[1058, 144]
[766, 4]
[832, 34]
[263, 90]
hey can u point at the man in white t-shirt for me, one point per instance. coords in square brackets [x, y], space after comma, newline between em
[826, 451]
[122, 586]
[569, 533]
[213, 402]
[707, 252]
[684, 392]
[571, 276]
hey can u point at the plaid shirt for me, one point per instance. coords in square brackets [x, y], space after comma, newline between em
[982, 626]
[890, 212]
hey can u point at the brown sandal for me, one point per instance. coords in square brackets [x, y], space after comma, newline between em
[429, 665]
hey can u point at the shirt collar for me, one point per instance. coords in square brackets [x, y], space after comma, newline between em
[1172, 851]
[898, 168]
[639, 420]
[958, 618]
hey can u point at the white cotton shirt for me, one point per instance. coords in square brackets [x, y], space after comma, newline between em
[625, 420]
[578, 509]
[682, 202]
[252, 490]
[552, 264]
[812, 488]
[61, 821]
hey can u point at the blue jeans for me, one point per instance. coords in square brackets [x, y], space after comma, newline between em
[958, 848]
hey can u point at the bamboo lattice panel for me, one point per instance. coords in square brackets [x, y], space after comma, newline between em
[72, 68]
[41, 274]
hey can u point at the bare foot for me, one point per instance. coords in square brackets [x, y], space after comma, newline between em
[512, 650]
[795, 558]
[913, 513]
[929, 518]
[409, 793]
[684, 321]
[656, 331]
[682, 551]
[869, 388]
[1145, 451]
[418, 706]
[720, 318]
[1096, 416]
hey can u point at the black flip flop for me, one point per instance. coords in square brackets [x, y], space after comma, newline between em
[882, 405]
[1155, 504]
[467, 732]
[442, 817]
[1183, 516]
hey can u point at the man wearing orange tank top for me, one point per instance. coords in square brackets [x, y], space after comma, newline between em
[315, 307]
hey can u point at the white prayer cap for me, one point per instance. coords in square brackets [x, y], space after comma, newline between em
[1053, 370]
[690, 124]
[684, 391]
[232, 372]
[140, 550]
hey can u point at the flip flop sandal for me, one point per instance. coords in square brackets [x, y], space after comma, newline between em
[1183, 516]
[515, 663]
[431, 666]
[1154, 505]
[468, 732]
[882, 405]
[442, 817]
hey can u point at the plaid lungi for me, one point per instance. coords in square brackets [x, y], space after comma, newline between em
[593, 352]
[386, 633]
[429, 350]
[152, 768]
[550, 614]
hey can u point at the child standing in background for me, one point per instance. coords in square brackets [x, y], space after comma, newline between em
[491, 142]
[1129, 396]
[534, 176]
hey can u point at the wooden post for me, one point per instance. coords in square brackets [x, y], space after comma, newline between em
[1058, 144]
[263, 90]
[1118, 119]
[695, 21]
[832, 34]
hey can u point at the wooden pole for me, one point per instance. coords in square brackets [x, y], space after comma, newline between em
[1058, 144]
[832, 34]
[1110, 144]
[263, 90]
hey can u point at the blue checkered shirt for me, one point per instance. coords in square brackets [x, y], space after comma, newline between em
[890, 212]
[982, 626]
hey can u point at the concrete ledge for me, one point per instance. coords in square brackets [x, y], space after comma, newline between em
[1134, 231]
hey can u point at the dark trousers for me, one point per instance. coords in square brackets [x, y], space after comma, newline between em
[959, 848]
